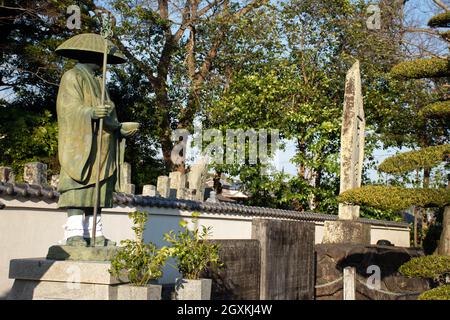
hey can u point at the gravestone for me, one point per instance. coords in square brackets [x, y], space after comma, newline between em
[177, 183]
[287, 258]
[149, 190]
[6, 175]
[346, 229]
[54, 181]
[163, 186]
[125, 176]
[35, 173]
[197, 178]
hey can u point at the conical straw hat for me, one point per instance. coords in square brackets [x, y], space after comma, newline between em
[89, 46]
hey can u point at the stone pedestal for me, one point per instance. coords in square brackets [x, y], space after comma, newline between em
[44, 279]
[346, 232]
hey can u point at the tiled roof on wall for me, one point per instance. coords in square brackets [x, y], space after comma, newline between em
[24, 191]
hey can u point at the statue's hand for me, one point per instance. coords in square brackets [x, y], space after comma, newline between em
[101, 111]
[129, 129]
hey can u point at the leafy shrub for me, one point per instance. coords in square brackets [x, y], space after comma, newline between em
[439, 110]
[138, 261]
[191, 250]
[395, 198]
[431, 267]
[417, 159]
[439, 293]
[421, 68]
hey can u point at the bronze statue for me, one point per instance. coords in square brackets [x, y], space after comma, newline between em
[79, 109]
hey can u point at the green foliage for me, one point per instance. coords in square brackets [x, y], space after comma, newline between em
[191, 249]
[440, 20]
[439, 293]
[422, 68]
[395, 198]
[379, 214]
[415, 160]
[27, 137]
[440, 110]
[138, 261]
[445, 35]
[429, 267]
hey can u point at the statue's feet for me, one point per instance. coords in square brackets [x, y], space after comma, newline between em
[101, 241]
[76, 241]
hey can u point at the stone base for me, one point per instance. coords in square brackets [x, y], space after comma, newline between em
[331, 259]
[346, 232]
[81, 253]
[43, 279]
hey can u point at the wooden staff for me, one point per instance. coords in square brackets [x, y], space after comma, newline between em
[105, 32]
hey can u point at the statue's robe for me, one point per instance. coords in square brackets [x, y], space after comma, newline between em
[78, 93]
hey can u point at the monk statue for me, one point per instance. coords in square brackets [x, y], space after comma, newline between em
[79, 110]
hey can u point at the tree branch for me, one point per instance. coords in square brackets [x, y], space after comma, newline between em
[141, 66]
[441, 4]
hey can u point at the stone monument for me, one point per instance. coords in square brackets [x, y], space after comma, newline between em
[347, 229]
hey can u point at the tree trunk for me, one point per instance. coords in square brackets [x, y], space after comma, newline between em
[444, 242]
[416, 215]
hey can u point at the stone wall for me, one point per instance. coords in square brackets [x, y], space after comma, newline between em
[287, 259]
[331, 259]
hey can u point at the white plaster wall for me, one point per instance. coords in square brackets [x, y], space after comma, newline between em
[29, 228]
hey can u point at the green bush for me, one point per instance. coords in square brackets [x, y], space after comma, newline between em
[395, 198]
[417, 159]
[422, 68]
[136, 260]
[191, 249]
[440, 20]
[429, 267]
[439, 110]
[439, 293]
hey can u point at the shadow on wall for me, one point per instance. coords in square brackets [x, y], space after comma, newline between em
[4, 297]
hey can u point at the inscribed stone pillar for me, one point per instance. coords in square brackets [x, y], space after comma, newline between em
[352, 140]
[346, 230]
